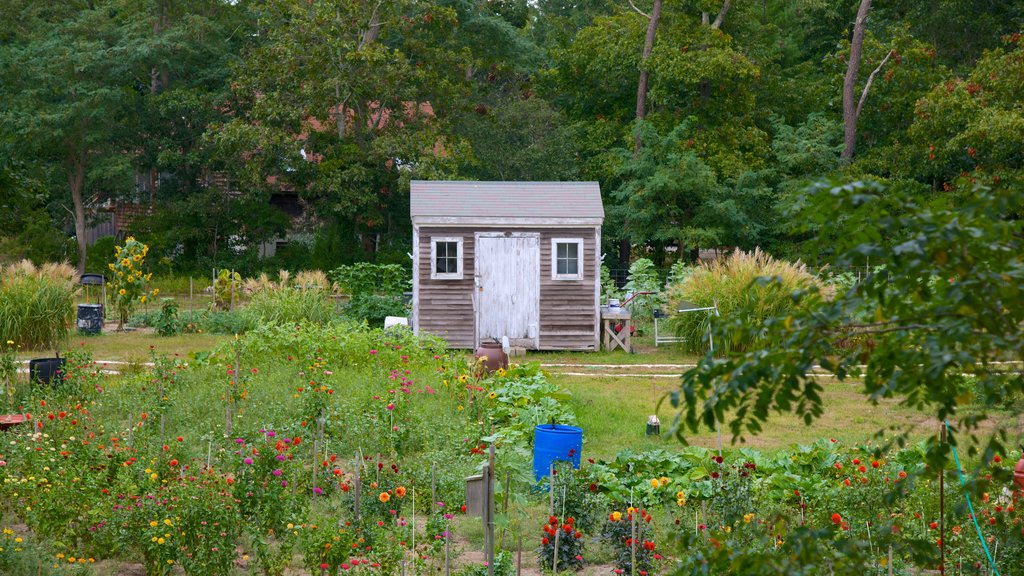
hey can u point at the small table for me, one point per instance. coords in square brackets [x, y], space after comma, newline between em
[610, 317]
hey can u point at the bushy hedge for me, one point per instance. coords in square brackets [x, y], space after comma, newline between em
[36, 304]
[733, 284]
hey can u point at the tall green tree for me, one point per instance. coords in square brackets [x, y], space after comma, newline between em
[64, 101]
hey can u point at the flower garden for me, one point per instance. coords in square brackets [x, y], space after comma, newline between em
[325, 449]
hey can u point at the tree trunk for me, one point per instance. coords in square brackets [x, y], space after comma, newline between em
[76, 181]
[850, 83]
[641, 88]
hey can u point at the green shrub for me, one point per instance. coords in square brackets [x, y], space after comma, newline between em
[731, 283]
[364, 278]
[643, 277]
[289, 306]
[167, 322]
[373, 308]
[36, 304]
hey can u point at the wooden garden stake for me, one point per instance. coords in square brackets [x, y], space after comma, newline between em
[433, 487]
[414, 525]
[504, 504]
[489, 527]
[358, 488]
[190, 313]
[209, 453]
[519, 555]
[551, 489]
[232, 388]
[447, 557]
[632, 542]
[231, 279]
[890, 560]
[942, 506]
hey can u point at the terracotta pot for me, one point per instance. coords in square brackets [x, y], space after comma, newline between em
[494, 354]
[1018, 474]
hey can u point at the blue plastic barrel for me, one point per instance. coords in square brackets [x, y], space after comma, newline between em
[553, 442]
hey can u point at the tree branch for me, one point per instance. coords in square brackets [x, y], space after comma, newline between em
[721, 15]
[639, 11]
[867, 85]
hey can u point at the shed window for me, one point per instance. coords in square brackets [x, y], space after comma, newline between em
[567, 258]
[446, 258]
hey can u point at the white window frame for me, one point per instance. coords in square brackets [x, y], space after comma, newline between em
[579, 258]
[434, 274]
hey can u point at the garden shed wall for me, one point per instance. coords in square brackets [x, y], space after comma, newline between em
[567, 309]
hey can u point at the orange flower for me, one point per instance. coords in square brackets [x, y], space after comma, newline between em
[384, 497]
[400, 491]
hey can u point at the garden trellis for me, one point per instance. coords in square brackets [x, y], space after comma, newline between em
[687, 307]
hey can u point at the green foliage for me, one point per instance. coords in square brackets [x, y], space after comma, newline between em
[748, 288]
[290, 306]
[643, 277]
[608, 288]
[373, 308]
[36, 304]
[128, 279]
[905, 335]
[365, 278]
[167, 322]
[227, 289]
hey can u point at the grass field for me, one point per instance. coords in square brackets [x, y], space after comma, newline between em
[612, 410]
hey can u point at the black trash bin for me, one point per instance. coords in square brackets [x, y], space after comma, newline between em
[90, 318]
[46, 370]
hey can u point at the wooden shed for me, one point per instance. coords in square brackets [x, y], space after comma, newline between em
[515, 259]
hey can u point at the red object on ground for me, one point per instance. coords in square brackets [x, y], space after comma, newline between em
[10, 420]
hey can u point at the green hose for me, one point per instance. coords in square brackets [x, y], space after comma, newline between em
[970, 507]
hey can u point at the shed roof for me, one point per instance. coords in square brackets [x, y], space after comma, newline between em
[513, 200]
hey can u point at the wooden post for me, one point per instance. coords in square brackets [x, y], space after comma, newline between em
[232, 388]
[504, 504]
[942, 506]
[519, 555]
[191, 313]
[489, 511]
[890, 560]
[551, 489]
[213, 284]
[447, 554]
[414, 553]
[632, 547]
[358, 488]
[433, 487]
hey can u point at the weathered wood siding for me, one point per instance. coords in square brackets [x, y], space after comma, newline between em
[568, 308]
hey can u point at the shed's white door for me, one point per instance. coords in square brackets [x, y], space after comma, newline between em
[508, 288]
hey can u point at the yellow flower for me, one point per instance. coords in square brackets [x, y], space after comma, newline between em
[143, 299]
[156, 291]
[463, 379]
[160, 540]
[492, 395]
[111, 266]
[747, 518]
[664, 480]
[681, 502]
[680, 494]
[168, 522]
[728, 529]
[152, 524]
[122, 291]
[655, 483]
[616, 516]
[18, 540]
[137, 257]
[131, 278]
[10, 342]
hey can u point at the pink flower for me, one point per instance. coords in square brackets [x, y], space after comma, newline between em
[390, 406]
[247, 460]
[239, 441]
[317, 490]
[373, 352]
[277, 472]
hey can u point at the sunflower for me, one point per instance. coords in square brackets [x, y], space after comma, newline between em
[122, 291]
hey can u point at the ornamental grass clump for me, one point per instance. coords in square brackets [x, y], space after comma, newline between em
[749, 287]
[290, 305]
[36, 304]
